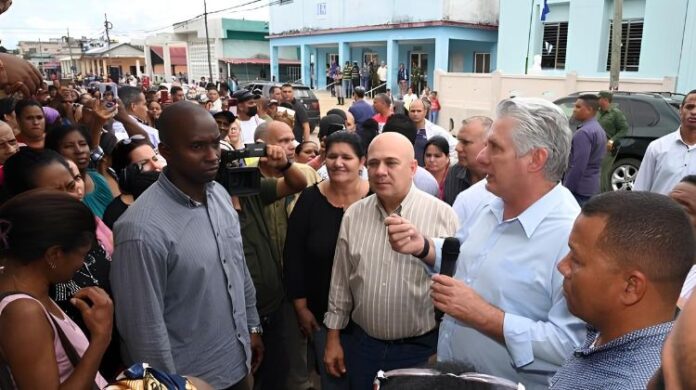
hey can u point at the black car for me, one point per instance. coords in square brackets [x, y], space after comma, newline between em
[302, 93]
[650, 115]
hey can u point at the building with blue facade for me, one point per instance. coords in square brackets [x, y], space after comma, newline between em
[658, 38]
[436, 34]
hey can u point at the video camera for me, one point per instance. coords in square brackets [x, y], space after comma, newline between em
[240, 180]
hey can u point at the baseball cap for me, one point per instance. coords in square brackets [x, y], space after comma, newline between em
[228, 115]
[605, 94]
[330, 124]
[243, 95]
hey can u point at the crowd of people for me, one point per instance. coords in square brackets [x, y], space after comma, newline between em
[366, 255]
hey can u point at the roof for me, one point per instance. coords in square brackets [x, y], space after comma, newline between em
[177, 55]
[118, 50]
[258, 61]
[386, 26]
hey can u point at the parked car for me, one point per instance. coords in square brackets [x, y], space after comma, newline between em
[650, 115]
[302, 93]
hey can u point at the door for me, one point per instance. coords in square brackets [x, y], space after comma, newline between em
[370, 57]
[419, 71]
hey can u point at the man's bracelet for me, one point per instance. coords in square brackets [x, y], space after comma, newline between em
[426, 248]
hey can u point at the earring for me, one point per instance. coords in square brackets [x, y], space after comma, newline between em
[51, 265]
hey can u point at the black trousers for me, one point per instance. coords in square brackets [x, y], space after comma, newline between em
[274, 369]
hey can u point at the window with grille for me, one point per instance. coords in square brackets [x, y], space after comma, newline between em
[631, 39]
[553, 50]
[482, 62]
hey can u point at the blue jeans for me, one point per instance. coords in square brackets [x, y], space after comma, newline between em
[328, 381]
[434, 115]
[348, 87]
[366, 355]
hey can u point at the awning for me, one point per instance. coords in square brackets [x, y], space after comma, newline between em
[258, 61]
[50, 65]
[176, 54]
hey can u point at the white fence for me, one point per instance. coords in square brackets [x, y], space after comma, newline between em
[466, 94]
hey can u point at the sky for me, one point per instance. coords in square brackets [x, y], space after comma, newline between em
[131, 19]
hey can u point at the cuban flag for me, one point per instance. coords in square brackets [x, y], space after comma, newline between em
[545, 10]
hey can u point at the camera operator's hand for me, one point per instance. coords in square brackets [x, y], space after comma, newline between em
[4, 5]
[18, 75]
[275, 157]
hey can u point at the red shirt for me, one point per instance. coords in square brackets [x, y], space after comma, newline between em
[435, 104]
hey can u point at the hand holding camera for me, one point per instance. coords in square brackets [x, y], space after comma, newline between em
[275, 157]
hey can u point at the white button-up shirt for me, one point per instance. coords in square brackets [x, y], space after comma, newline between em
[667, 160]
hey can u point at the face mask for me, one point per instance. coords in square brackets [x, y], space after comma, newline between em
[143, 181]
[133, 181]
[251, 111]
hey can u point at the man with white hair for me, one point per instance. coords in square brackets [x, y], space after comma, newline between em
[505, 310]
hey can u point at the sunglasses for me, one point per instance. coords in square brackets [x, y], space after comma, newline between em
[137, 137]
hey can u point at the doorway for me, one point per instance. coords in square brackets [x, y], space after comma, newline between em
[419, 71]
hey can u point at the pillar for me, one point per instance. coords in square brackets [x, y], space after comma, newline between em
[105, 70]
[343, 53]
[138, 73]
[305, 67]
[392, 66]
[275, 72]
[148, 61]
[167, 62]
[441, 57]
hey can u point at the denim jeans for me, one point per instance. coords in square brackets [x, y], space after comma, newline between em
[318, 343]
[366, 355]
[348, 87]
[434, 115]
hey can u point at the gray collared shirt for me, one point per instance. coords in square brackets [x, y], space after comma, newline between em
[184, 298]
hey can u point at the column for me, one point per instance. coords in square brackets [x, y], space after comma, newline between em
[148, 61]
[305, 61]
[343, 53]
[167, 62]
[275, 73]
[392, 66]
[105, 70]
[138, 73]
[441, 58]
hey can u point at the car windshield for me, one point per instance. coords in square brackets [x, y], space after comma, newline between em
[301, 93]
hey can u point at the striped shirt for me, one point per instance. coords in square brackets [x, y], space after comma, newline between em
[386, 293]
[184, 299]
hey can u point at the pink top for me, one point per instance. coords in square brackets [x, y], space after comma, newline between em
[72, 332]
[105, 237]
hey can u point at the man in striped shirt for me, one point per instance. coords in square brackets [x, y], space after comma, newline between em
[379, 305]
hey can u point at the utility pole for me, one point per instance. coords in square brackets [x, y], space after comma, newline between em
[207, 40]
[616, 46]
[107, 26]
[72, 64]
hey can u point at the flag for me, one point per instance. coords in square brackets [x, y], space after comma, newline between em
[545, 10]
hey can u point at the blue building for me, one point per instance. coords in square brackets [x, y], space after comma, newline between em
[436, 34]
[659, 38]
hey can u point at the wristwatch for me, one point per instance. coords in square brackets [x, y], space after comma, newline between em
[286, 167]
[256, 330]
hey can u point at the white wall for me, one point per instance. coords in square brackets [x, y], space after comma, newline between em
[301, 15]
[466, 94]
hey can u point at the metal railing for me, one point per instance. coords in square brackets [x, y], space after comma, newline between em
[370, 92]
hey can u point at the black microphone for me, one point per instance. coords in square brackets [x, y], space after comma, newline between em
[450, 253]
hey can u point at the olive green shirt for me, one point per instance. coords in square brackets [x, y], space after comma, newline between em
[263, 259]
[614, 123]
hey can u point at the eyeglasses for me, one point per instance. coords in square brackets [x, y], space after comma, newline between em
[137, 137]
